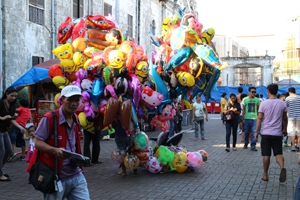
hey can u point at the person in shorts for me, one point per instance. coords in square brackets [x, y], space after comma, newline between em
[123, 142]
[274, 114]
[293, 104]
[16, 137]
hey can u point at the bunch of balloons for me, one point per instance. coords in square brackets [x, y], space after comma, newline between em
[186, 62]
[112, 73]
[160, 157]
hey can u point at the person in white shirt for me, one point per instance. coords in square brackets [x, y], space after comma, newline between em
[198, 117]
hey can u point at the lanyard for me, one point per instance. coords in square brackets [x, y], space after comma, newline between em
[66, 126]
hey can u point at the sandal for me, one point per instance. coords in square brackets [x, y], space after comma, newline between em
[122, 173]
[264, 179]
[282, 176]
[233, 149]
[227, 149]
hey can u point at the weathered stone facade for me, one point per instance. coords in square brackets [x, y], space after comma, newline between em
[23, 39]
[230, 77]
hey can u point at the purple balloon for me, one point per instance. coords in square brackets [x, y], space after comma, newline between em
[140, 113]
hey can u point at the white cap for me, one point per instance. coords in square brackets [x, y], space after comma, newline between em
[71, 90]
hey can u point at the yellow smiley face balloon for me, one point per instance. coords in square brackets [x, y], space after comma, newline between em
[116, 61]
[68, 65]
[185, 79]
[63, 51]
[141, 71]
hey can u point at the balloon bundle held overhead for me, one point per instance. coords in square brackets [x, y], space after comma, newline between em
[185, 60]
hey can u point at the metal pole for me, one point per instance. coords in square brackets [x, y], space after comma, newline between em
[1, 53]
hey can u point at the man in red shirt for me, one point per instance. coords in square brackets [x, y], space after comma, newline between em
[16, 137]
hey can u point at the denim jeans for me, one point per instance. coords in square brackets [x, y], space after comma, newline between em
[5, 149]
[250, 125]
[73, 189]
[231, 124]
[297, 190]
[201, 129]
[184, 118]
[171, 128]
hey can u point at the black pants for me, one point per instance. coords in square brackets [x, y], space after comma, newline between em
[178, 127]
[231, 124]
[150, 127]
[95, 138]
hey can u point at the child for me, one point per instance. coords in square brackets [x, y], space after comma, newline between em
[123, 142]
[31, 138]
[16, 137]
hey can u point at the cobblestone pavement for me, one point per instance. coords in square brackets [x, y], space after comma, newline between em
[226, 175]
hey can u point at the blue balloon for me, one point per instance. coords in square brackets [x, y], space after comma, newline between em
[162, 104]
[134, 117]
[78, 19]
[97, 90]
[212, 80]
[206, 53]
[181, 12]
[161, 86]
[154, 39]
[179, 58]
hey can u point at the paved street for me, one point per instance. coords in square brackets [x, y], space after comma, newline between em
[233, 175]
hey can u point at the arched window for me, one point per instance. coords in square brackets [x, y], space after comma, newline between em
[153, 27]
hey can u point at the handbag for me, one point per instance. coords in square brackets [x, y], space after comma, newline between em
[228, 116]
[43, 177]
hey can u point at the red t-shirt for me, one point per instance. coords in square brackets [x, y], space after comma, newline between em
[24, 115]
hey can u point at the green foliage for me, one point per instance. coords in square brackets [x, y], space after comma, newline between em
[22, 94]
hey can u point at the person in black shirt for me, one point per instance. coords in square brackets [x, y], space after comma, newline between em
[233, 109]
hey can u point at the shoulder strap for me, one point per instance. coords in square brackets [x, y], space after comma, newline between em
[55, 139]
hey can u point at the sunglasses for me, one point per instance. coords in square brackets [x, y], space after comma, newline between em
[253, 92]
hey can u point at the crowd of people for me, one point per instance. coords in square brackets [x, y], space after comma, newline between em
[275, 119]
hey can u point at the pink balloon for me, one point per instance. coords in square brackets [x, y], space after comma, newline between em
[194, 159]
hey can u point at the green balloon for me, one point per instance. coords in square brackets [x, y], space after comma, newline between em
[165, 155]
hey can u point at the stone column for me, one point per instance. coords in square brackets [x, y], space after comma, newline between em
[267, 74]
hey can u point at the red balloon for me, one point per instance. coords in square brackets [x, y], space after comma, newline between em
[65, 31]
[56, 70]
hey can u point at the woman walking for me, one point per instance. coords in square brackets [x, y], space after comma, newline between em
[231, 111]
[198, 117]
[7, 111]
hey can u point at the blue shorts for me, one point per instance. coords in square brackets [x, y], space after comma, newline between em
[239, 119]
[16, 137]
[124, 142]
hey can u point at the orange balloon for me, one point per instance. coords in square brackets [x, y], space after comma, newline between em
[79, 44]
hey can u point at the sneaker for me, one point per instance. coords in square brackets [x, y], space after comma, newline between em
[240, 131]
[286, 145]
[245, 147]
[253, 149]
[293, 148]
[204, 138]
[196, 139]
